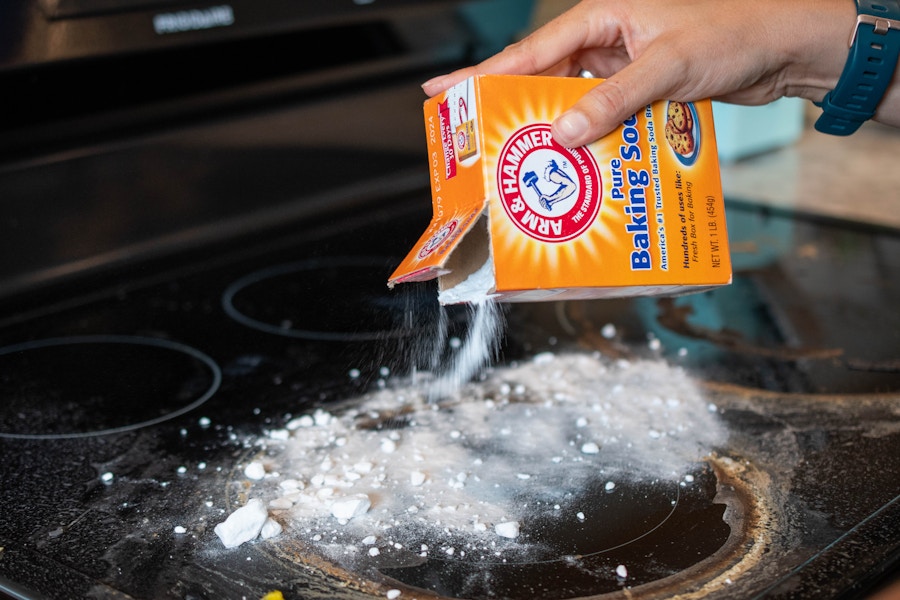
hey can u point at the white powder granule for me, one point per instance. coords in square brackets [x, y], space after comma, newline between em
[291, 485]
[180, 530]
[271, 528]
[622, 571]
[279, 434]
[590, 448]
[344, 509]
[392, 594]
[243, 525]
[507, 529]
[255, 471]
[282, 503]
[304, 421]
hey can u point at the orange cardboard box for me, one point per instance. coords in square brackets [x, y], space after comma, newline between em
[519, 217]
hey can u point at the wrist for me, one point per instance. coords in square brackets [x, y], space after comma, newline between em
[818, 52]
[874, 48]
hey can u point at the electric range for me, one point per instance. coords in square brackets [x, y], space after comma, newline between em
[196, 257]
[129, 403]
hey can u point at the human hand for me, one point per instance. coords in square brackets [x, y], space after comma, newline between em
[647, 50]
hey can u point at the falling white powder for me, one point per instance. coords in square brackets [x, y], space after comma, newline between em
[622, 571]
[481, 346]
[462, 467]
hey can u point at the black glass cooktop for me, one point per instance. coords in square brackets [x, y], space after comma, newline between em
[129, 398]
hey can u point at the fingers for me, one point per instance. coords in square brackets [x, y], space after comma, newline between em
[611, 102]
[441, 83]
[599, 37]
[547, 50]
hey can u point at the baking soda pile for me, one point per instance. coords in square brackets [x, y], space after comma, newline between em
[394, 475]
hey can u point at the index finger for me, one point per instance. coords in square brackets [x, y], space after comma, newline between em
[548, 48]
[653, 76]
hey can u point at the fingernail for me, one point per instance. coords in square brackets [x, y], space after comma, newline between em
[570, 127]
[431, 82]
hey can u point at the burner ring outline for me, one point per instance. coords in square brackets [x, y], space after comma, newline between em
[296, 267]
[214, 368]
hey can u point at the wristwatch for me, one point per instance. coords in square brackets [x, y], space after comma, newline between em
[874, 49]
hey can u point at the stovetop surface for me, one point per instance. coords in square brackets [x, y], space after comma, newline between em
[129, 400]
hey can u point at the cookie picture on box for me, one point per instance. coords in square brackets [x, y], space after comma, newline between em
[683, 131]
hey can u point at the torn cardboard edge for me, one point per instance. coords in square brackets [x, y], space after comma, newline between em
[460, 253]
[463, 276]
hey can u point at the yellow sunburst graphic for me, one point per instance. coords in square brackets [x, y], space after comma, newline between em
[602, 253]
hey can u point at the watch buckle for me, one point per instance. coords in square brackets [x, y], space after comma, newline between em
[881, 25]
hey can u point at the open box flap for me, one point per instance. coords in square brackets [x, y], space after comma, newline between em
[428, 258]
[457, 181]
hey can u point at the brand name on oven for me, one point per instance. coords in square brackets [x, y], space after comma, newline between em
[193, 20]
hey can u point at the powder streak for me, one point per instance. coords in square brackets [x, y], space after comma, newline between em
[481, 346]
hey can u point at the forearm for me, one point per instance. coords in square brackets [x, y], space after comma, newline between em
[646, 50]
[819, 50]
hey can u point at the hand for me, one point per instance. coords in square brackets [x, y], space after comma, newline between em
[647, 50]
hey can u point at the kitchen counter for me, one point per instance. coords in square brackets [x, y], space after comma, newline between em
[854, 178]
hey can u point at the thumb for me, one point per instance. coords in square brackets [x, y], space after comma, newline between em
[612, 101]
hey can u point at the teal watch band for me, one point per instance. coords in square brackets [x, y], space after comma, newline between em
[874, 49]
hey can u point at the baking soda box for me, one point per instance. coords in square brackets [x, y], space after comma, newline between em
[519, 217]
